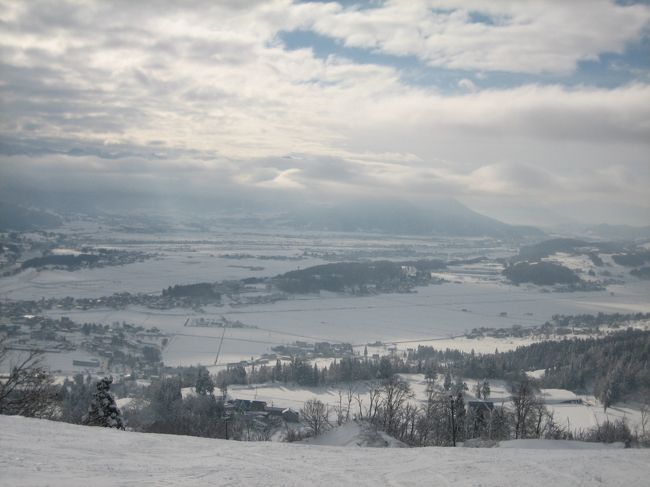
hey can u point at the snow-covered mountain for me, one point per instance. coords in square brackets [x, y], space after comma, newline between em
[38, 452]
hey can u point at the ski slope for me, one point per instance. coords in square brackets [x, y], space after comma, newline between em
[37, 452]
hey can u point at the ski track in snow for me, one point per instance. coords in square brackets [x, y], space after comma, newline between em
[38, 452]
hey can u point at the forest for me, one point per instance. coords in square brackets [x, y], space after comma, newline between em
[359, 276]
[540, 273]
[615, 367]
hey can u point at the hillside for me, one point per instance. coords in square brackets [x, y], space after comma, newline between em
[38, 452]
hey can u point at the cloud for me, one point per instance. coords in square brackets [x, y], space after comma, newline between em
[467, 85]
[526, 37]
[207, 100]
[512, 179]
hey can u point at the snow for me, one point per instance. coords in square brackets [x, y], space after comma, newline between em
[429, 317]
[38, 452]
[355, 434]
[536, 374]
[293, 396]
[558, 445]
[123, 402]
[557, 396]
[590, 413]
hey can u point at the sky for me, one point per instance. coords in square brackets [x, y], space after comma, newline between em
[533, 112]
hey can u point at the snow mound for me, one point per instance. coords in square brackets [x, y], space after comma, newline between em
[38, 452]
[356, 433]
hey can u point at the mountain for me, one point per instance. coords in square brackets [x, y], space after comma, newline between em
[442, 218]
[40, 452]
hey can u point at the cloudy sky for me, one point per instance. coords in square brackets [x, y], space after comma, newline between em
[529, 111]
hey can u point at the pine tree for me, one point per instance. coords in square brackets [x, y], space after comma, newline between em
[102, 410]
[204, 384]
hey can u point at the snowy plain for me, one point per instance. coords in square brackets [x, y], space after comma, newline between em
[426, 317]
[38, 452]
[475, 296]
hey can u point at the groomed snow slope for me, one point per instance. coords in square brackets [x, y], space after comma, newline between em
[36, 452]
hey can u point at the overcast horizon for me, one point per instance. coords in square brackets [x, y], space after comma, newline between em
[532, 112]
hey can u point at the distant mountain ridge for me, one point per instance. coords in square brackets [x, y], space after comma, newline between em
[443, 218]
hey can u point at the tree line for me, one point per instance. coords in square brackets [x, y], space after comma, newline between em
[614, 367]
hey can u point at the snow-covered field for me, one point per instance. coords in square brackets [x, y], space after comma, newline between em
[434, 312]
[475, 297]
[434, 315]
[36, 452]
[188, 257]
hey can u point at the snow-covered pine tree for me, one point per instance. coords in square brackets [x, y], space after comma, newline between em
[102, 410]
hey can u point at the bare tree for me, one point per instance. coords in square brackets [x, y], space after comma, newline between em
[645, 419]
[316, 414]
[359, 400]
[344, 406]
[340, 410]
[349, 395]
[409, 423]
[542, 420]
[28, 389]
[374, 399]
[525, 403]
[395, 393]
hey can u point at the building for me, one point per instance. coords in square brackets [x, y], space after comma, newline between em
[289, 415]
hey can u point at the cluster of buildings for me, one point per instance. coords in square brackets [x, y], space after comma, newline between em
[120, 346]
[261, 410]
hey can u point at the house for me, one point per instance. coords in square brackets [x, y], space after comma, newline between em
[289, 415]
